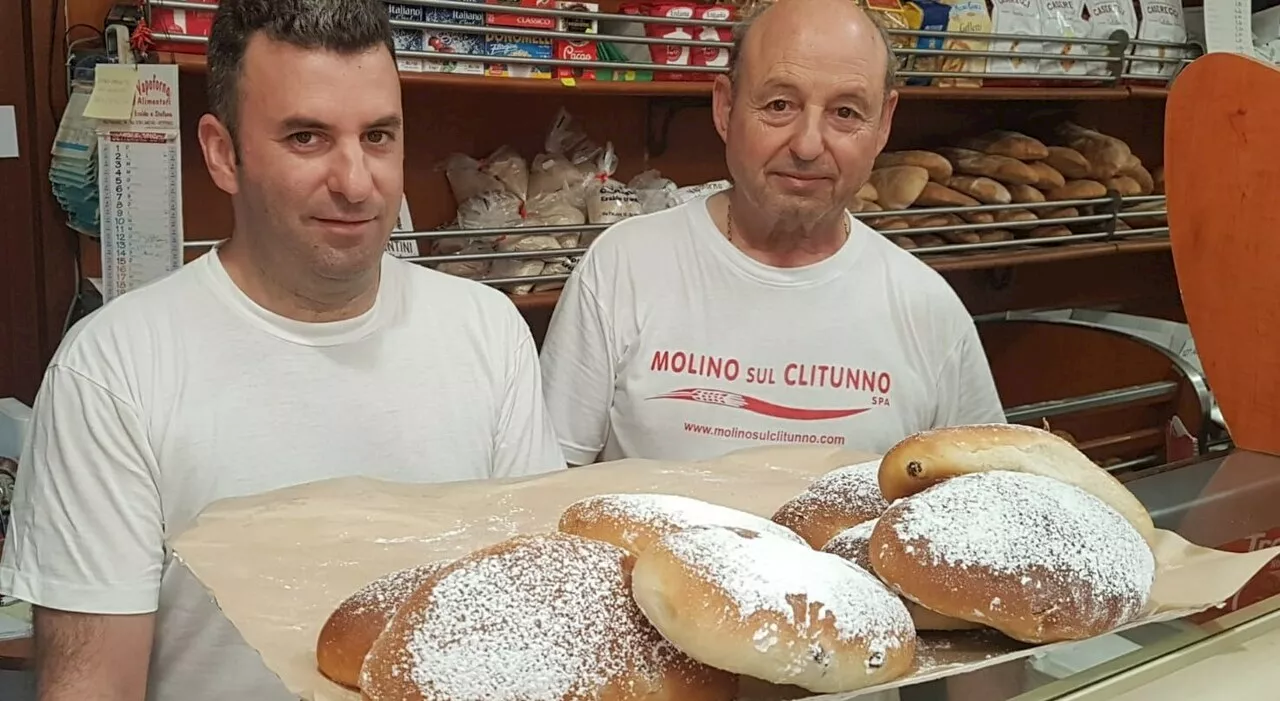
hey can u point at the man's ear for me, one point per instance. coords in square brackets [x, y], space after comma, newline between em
[219, 153]
[721, 104]
[886, 119]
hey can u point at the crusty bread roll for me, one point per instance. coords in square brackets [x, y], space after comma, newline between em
[1011, 144]
[1011, 216]
[835, 501]
[903, 242]
[898, 186]
[545, 616]
[1025, 194]
[1060, 213]
[1068, 161]
[1052, 231]
[773, 610]
[1002, 168]
[1106, 155]
[868, 192]
[924, 459]
[1077, 190]
[1157, 180]
[854, 545]
[935, 195]
[1047, 177]
[1124, 186]
[350, 630]
[1036, 558]
[978, 217]
[939, 168]
[994, 235]
[984, 190]
[1133, 168]
[633, 521]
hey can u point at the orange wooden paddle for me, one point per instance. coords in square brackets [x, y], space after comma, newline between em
[1222, 178]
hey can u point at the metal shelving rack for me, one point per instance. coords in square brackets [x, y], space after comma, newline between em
[1116, 54]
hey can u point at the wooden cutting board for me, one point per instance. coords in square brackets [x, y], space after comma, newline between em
[1222, 178]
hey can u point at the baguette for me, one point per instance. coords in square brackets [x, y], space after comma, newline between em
[1025, 194]
[1107, 155]
[1011, 144]
[979, 217]
[1002, 168]
[903, 242]
[994, 235]
[898, 186]
[939, 168]
[1077, 190]
[925, 459]
[928, 241]
[1068, 161]
[889, 223]
[1124, 186]
[935, 195]
[1047, 177]
[1060, 213]
[984, 190]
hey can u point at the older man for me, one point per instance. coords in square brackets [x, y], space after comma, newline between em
[766, 314]
[296, 351]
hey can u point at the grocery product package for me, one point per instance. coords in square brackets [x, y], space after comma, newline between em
[890, 14]
[609, 201]
[967, 16]
[1014, 19]
[1105, 17]
[278, 563]
[1159, 20]
[1064, 18]
[655, 192]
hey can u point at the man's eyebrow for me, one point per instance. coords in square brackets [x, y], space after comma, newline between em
[391, 121]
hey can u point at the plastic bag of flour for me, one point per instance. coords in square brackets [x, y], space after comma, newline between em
[653, 190]
[471, 269]
[1019, 21]
[1105, 17]
[510, 169]
[1064, 18]
[554, 209]
[467, 179]
[693, 192]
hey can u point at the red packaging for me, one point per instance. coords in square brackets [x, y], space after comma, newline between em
[669, 55]
[502, 19]
[709, 55]
[566, 50]
[195, 23]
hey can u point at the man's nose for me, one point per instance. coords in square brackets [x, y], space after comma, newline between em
[349, 174]
[806, 138]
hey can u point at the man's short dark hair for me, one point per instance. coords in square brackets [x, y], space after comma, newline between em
[342, 26]
[743, 27]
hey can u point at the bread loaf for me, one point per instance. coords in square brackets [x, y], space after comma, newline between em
[749, 604]
[1046, 177]
[1025, 194]
[897, 187]
[350, 630]
[888, 223]
[1001, 168]
[854, 545]
[994, 235]
[871, 207]
[1060, 213]
[977, 217]
[633, 521]
[984, 190]
[1068, 161]
[1010, 216]
[1077, 190]
[546, 616]
[928, 241]
[1157, 180]
[903, 242]
[935, 195]
[929, 457]
[1134, 169]
[1049, 232]
[868, 193]
[1124, 186]
[1010, 144]
[835, 501]
[939, 168]
[1038, 559]
[1107, 155]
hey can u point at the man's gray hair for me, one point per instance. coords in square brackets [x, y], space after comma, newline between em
[342, 26]
[753, 13]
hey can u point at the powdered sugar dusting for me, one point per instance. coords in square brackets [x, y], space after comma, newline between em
[548, 618]
[670, 512]
[1018, 523]
[810, 589]
[854, 544]
[387, 593]
[854, 488]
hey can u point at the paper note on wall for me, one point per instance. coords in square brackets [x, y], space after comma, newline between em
[114, 88]
[1227, 27]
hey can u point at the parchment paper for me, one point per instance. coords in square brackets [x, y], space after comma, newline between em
[277, 564]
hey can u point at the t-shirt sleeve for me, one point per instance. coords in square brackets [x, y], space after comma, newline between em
[86, 531]
[578, 368]
[966, 390]
[525, 443]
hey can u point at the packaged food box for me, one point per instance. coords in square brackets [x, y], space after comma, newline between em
[432, 41]
[192, 23]
[436, 15]
[573, 50]
[510, 19]
[503, 45]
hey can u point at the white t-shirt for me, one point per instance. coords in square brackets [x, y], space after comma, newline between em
[186, 391]
[670, 343]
